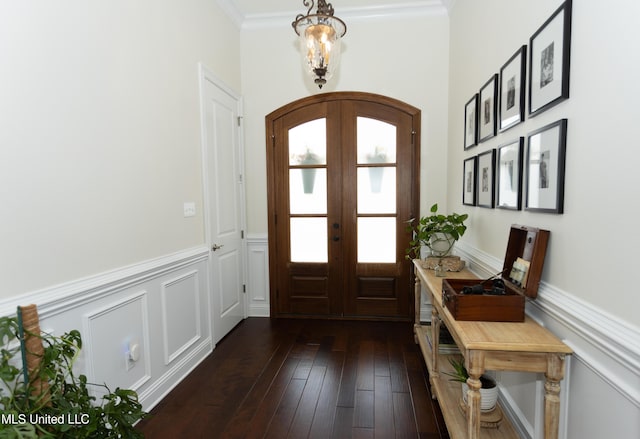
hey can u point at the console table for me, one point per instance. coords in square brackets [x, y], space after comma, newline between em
[523, 347]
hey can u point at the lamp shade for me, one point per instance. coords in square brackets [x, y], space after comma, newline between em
[320, 36]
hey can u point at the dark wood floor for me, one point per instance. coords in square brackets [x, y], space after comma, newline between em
[304, 379]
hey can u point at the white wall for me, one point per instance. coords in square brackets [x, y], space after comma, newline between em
[585, 298]
[596, 237]
[404, 58]
[99, 148]
[100, 137]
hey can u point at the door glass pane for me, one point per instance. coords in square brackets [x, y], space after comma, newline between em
[377, 240]
[308, 143]
[377, 189]
[309, 240]
[308, 190]
[376, 141]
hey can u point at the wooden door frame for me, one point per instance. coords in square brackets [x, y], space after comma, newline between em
[272, 192]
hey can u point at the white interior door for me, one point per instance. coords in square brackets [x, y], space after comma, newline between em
[224, 204]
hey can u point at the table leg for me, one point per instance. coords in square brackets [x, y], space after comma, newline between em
[475, 368]
[417, 294]
[554, 374]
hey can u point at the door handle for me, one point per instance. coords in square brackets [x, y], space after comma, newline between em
[336, 238]
[217, 247]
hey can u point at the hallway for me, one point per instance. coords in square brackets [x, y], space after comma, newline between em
[304, 378]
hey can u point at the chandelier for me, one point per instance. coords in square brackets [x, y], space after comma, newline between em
[320, 35]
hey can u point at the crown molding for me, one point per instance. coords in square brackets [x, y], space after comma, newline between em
[367, 13]
[229, 7]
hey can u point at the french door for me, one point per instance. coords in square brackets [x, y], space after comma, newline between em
[342, 182]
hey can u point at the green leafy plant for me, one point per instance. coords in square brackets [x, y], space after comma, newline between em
[461, 375]
[436, 231]
[67, 410]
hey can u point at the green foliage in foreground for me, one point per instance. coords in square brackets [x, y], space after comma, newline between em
[70, 411]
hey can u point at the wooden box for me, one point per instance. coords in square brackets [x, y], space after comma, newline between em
[520, 276]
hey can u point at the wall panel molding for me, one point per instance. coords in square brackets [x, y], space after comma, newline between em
[180, 300]
[258, 276]
[129, 316]
[146, 303]
[60, 298]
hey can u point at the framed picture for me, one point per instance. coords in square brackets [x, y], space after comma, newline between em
[511, 96]
[549, 59]
[486, 178]
[488, 108]
[469, 182]
[471, 122]
[509, 175]
[545, 168]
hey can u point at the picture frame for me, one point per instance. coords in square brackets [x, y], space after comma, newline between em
[471, 122]
[469, 181]
[485, 179]
[545, 166]
[549, 59]
[509, 175]
[512, 90]
[487, 109]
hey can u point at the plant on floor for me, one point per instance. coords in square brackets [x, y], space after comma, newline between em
[66, 409]
[438, 232]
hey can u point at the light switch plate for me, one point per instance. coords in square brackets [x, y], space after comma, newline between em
[189, 209]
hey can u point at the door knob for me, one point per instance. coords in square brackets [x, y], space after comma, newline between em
[336, 238]
[217, 247]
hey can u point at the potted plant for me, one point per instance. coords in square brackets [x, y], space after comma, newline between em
[309, 173]
[488, 389]
[49, 400]
[379, 155]
[438, 232]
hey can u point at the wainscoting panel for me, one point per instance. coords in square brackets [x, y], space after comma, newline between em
[258, 276]
[126, 320]
[160, 305]
[180, 314]
[600, 394]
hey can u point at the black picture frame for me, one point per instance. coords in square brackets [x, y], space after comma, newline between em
[488, 109]
[549, 60]
[469, 181]
[485, 179]
[545, 167]
[509, 175]
[471, 122]
[512, 90]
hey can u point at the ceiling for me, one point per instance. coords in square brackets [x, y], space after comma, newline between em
[249, 13]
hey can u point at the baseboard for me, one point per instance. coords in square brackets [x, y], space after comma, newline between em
[161, 387]
[259, 311]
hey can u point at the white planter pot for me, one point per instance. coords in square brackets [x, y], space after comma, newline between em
[441, 244]
[488, 397]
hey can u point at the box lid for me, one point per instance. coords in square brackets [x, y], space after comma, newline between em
[524, 260]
